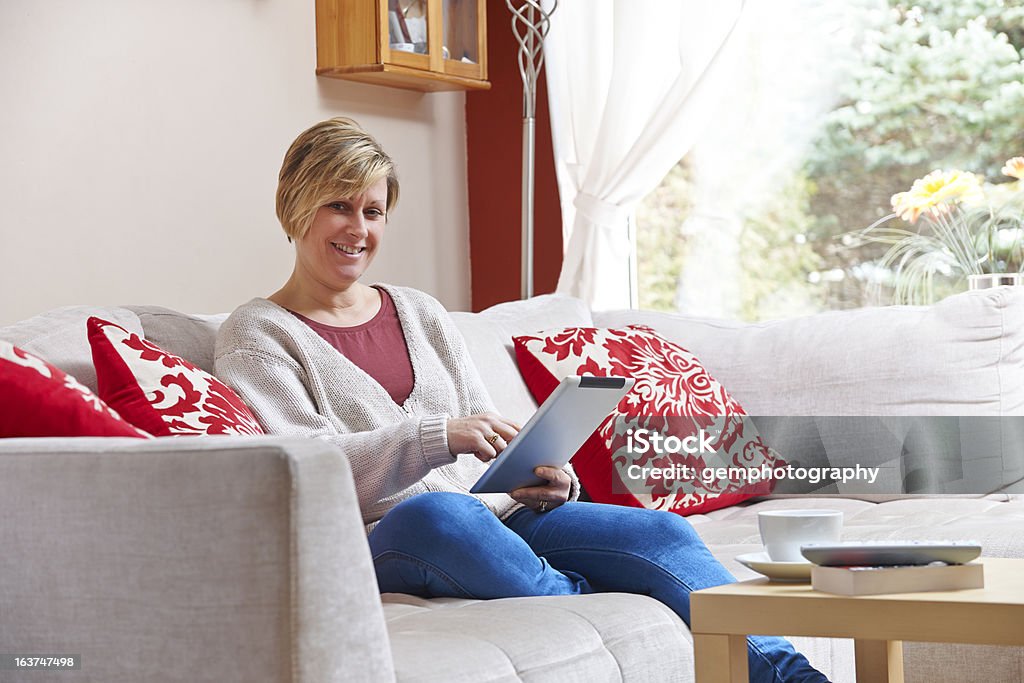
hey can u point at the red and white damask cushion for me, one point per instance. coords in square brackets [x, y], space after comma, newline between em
[39, 399]
[675, 396]
[160, 392]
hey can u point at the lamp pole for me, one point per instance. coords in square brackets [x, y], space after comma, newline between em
[530, 23]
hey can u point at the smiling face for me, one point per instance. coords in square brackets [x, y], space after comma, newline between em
[343, 238]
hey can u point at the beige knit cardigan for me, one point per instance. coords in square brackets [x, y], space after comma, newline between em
[297, 384]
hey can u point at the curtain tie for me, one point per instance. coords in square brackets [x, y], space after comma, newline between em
[601, 212]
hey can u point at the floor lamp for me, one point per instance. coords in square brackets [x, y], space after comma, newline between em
[530, 23]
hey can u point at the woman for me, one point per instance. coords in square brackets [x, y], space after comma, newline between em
[382, 372]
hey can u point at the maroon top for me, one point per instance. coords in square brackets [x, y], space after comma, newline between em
[376, 346]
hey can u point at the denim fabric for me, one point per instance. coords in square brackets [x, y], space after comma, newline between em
[449, 544]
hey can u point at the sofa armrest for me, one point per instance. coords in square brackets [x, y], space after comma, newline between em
[201, 559]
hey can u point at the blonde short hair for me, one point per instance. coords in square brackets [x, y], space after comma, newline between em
[332, 160]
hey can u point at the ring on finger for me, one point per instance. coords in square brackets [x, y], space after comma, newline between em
[493, 438]
[543, 507]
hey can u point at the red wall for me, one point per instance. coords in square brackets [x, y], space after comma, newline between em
[494, 124]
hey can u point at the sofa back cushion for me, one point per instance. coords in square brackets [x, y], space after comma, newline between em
[59, 337]
[488, 335]
[961, 356]
[191, 336]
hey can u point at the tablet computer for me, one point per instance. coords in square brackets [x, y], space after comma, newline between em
[555, 432]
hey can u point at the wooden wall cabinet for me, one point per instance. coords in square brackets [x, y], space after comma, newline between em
[415, 44]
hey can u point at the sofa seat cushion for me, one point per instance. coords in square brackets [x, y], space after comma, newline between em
[602, 637]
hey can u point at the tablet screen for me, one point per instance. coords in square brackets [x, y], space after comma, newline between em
[556, 431]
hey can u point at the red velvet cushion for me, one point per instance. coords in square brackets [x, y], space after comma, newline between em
[673, 395]
[39, 399]
[160, 392]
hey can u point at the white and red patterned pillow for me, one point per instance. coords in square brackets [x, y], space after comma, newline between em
[160, 392]
[39, 399]
[673, 395]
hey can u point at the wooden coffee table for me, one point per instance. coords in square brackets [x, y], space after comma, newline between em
[722, 618]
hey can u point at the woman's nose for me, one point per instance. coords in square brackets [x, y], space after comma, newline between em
[357, 226]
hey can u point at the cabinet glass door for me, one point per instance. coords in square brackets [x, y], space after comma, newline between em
[407, 26]
[461, 43]
[465, 54]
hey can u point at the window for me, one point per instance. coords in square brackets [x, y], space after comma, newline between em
[827, 121]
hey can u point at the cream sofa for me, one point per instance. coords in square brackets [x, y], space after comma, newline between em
[244, 559]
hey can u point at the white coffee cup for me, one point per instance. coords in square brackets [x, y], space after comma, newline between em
[784, 531]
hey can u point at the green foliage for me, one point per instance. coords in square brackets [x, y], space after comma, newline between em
[926, 96]
[777, 256]
[659, 239]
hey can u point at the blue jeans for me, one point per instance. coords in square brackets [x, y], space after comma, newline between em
[451, 545]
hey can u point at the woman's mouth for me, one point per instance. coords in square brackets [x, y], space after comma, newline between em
[348, 250]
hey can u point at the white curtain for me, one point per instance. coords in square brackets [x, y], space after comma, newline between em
[631, 86]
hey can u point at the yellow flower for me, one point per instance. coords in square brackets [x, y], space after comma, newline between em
[935, 192]
[1014, 168]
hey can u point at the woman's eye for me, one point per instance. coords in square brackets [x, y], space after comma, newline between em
[337, 206]
[375, 213]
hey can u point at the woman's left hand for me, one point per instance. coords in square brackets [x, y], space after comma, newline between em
[546, 496]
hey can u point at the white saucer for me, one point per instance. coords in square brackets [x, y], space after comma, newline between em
[777, 571]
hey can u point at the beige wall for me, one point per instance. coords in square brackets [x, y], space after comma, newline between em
[140, 143]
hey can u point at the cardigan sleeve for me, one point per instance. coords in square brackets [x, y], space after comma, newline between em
[460, 365]
[384, 461]
[466, 376]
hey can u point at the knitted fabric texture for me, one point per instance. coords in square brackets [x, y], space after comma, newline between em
[297, 384]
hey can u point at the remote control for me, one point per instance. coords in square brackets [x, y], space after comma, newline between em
[889, 553]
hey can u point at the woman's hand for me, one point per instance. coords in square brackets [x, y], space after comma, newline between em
[484, 435]
[546, 496]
